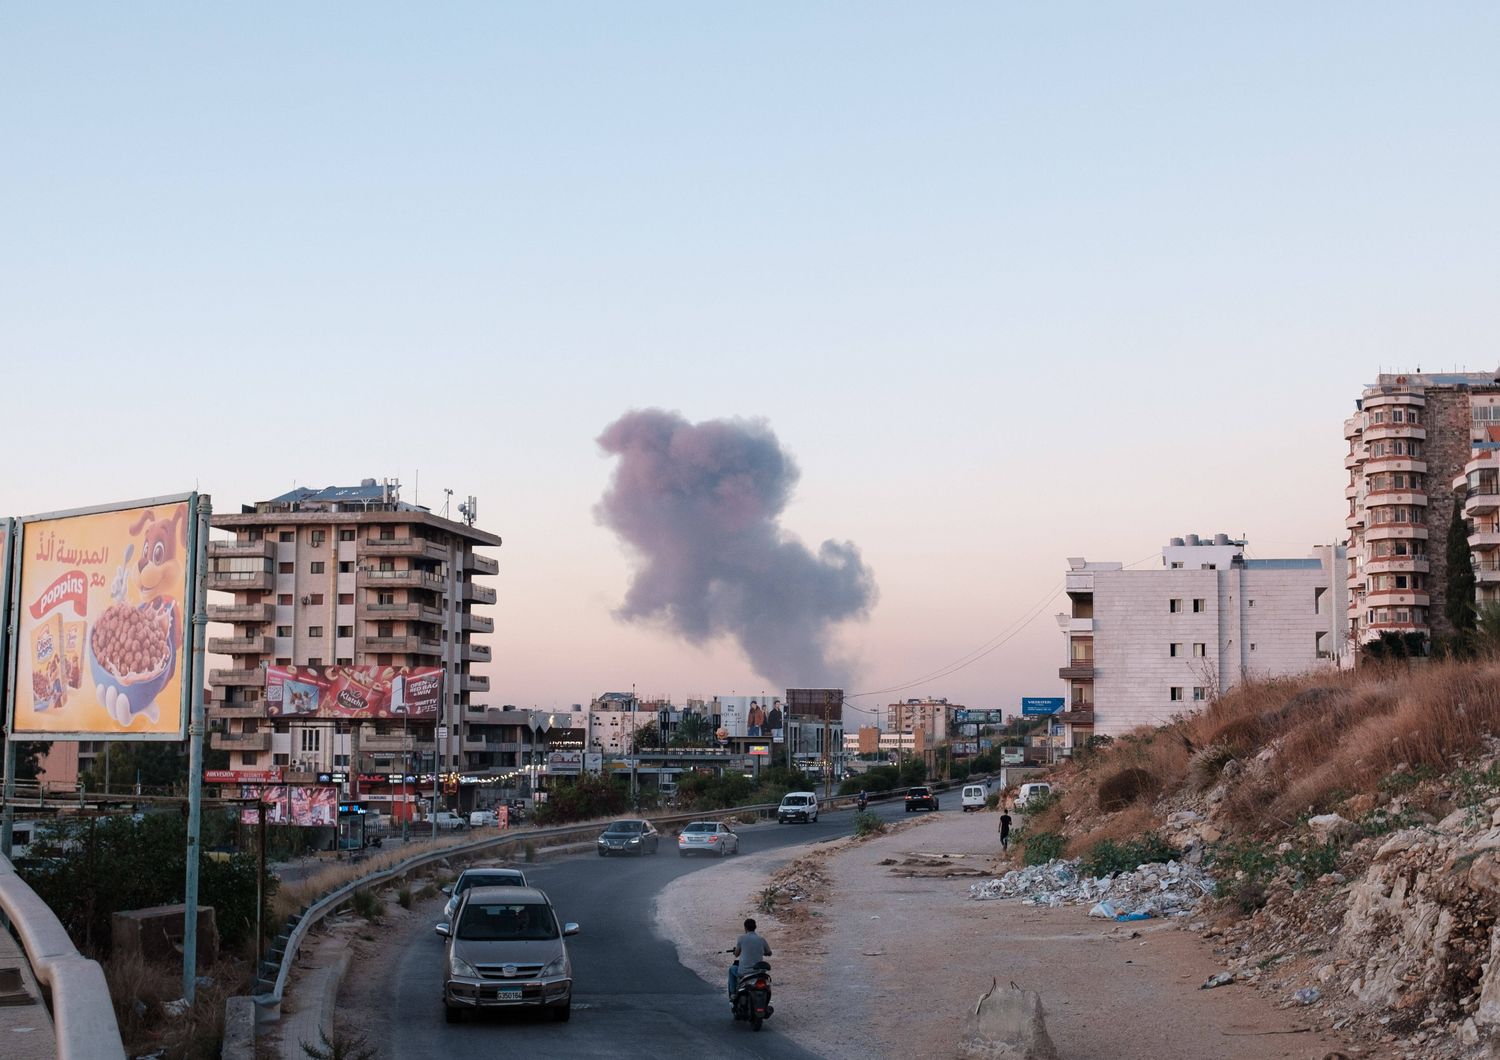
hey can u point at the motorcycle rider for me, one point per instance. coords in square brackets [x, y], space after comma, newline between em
[864, 800]
[750, 950]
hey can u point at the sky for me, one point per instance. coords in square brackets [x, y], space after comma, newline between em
[1007, 283]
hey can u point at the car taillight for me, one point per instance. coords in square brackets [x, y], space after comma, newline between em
[713, 839]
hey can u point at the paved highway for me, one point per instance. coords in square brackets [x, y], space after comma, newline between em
[631, 998]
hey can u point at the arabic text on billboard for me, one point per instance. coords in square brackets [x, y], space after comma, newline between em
[300, 804]
[102, 622]
[353, 691]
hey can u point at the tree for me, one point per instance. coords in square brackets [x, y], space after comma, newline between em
[692, 731]
[158, 765]
[1459, 606]
[646, 735]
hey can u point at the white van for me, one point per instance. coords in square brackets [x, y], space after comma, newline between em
[974, 797]
[1031, 791]
[798, 806]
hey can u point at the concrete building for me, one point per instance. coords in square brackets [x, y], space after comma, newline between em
[1145, 645]
[931, 717]
[871, 740]
[347, 576]
[1415, 439]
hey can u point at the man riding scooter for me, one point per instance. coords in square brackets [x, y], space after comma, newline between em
[864, 800]
[749, 998]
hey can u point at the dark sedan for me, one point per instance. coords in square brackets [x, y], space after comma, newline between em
[629, 837]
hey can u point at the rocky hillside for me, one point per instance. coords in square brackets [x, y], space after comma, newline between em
[1352, 825]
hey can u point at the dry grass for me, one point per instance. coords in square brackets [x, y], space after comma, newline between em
[140, 990]
[1330, 735]
[1117, 827]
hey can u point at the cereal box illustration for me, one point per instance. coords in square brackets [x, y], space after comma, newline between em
[46, 664]
[72, 640]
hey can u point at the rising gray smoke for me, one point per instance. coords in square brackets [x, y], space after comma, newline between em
[699, 503]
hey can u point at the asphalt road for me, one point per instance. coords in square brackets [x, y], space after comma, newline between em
[631, 998]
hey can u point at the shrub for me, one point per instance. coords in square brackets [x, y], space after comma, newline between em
[529, 852]
[1041, 847]
[585, 798]
[1125, 787]
[341, 1046]
[403, 898]
[867, 822]
[1207, 764]
[992, 801]
[368, 904]
[1108, 858]
[766, 903]
[1310, 862]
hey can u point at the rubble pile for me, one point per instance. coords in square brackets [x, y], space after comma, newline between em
[1158, 890]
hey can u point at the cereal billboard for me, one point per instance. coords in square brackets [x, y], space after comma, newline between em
[102, 612]
[353, 691]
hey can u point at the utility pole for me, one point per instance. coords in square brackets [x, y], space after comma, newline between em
[827, 736]
[198, 551]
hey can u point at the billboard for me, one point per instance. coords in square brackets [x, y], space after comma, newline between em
[813, 702]
[300, 804]
[101, 618]
[1032, 706]
[750, 716]
[565, 762]
[979, 717]
[354, 691]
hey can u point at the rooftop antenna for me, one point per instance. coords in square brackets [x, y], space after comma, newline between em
[447, 499]
[469, 509]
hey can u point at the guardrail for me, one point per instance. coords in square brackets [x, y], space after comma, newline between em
[83, 1017]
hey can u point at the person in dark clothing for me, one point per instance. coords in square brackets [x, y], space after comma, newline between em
[1004, 830]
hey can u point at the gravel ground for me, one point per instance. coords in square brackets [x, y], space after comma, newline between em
[891, 962]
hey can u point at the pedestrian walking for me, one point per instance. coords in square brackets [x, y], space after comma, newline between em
[1004, 830]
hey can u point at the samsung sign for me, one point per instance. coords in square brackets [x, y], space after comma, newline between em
[1034, 705]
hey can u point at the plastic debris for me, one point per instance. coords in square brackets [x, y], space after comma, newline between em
[1159, 890]
[1308, 995]
[1218, 979]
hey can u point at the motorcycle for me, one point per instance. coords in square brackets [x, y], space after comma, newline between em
[752, 997]
[864, 801]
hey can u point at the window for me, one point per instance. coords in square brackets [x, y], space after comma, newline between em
[312, 739]
[385, 598]
[1200, 650]
[1199, 694]
[284, 599]
[342, 661]
[283, 631]
[247, 758]
[346, 535]
[315, 599]
[315, 567]
[314, 631]
[1174, 605]
[346, 566]
[316, 660]
[318, 537]
[385, 629]
[1199, 605]
[387, 533]
[1252, 646]
[280, 760]
[344, 631]
[346, 598]
[340, 760]
[1175, 693]
[282, 725]
[287, 535]
[285, 568]
[1252, 603]
[1176, 564]
[283, 661]
[1174, 650]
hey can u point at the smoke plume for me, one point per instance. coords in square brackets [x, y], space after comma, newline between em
[699, 504]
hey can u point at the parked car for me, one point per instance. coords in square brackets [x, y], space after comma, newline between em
[487, 877]
[505, 950]
[921, 799]
[629, 837]
[483, 819]
[798, 806]
[1027, 792]
[707, 837]
[449, 822]
[975, 796]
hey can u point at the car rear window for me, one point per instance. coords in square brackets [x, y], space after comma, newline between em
[701, 826]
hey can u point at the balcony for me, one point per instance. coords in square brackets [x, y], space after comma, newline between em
[400, 579]
[1079, 581]
[1396, 532]
[1481, 500]
[1487, 572]
[1391, 462]
[409, 645]
[1406, 398]
[240, 645]
[477, 623]
[480, 594]
[404, 546]
[241, 741]
[475, 653]
[241, 581]
[241, 612]
[1079, 715]
[1484, 540]
[1078, 670]
[407, 612]
[477, 744]
[1397, 565]
[1353, 460]
[473, 683]
[1396, 598]
[1080, 625]
[1376, 431]
[255, 677]
[237, 710]
[473, 561]
[1385, 498]
[262, 549]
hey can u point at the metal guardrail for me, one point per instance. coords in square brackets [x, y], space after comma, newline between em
[83, 1017]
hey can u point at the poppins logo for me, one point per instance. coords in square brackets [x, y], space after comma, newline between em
[70, 588]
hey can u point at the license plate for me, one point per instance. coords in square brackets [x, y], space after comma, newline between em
[509, 993]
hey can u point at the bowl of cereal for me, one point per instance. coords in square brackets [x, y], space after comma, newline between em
[133, 654]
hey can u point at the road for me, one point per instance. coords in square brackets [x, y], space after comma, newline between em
[631, 997]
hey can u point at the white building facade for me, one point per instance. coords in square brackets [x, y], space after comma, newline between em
[1145, 645]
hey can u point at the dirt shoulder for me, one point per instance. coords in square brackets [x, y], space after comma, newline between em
[895, 956]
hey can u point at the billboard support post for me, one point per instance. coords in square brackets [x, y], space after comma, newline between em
[197, 551]
[7, 716]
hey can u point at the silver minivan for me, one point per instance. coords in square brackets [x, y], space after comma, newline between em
[505, 950]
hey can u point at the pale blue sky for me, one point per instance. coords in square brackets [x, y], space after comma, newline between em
[1012, 283]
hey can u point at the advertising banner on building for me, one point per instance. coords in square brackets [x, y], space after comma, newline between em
[759, 717]
[304, 805]
[566, 763]
[354, 691]
[1034, 706]
[243, 776]
[101, 620]
[816, 702]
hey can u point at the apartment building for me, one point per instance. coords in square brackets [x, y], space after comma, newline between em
[873, 740]
[931, 717]
[1145, 645]
[1415, 441]
[347, 576]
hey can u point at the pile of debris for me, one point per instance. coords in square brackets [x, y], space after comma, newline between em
[795, 889]
[1157, 890]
